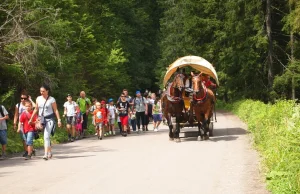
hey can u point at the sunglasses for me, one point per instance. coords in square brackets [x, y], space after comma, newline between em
[23, 98]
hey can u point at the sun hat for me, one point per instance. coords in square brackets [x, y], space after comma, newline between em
[110, 100]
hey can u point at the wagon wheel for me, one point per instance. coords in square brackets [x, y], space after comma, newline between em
[211, 129]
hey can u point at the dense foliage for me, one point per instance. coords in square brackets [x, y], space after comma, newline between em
[276, 133]
[104, 46]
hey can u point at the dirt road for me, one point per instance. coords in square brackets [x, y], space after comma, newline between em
[143, 164]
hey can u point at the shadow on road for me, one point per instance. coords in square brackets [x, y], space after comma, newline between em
[226, 134]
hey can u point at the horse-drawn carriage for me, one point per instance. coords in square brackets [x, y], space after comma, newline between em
[193, 107]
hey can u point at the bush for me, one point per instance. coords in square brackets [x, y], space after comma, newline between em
[276, 132]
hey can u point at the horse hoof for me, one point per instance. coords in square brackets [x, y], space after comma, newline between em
[199, 138]
[171, 139]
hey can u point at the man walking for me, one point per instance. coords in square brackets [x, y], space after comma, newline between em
[84, 104]
[140, 105]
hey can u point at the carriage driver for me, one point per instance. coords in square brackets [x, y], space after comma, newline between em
[189, 84]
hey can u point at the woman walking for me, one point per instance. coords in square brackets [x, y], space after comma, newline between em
[47, 111]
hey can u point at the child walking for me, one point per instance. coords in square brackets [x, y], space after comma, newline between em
[98, 120]
[123, 108]
[70, 113]
[79, 121]
[112, 116]
[28, 129]
[157, 114]
[133, 119]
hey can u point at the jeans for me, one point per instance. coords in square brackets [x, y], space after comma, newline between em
[133, 124]
[140, 116]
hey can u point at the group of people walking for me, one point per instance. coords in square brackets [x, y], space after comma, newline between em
[131, 113]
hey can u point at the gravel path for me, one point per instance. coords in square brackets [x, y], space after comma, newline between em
[143, 164]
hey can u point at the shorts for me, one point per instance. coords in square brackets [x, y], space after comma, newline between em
[3, 137]
[99, 125]
[157, 117]
[124, 120]
[112, 121]
[71, 120]
[29, 138]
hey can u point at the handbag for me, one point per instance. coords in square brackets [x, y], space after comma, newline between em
[40, 122]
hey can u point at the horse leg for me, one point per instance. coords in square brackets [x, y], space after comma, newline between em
[206, 126]
[177, 129]
[200, 132]
[170, 125]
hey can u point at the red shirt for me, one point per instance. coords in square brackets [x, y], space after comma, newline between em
[208, 83]
[24, 118]
[104, 114]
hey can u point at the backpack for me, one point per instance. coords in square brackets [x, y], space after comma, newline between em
[135, 99]
[1, 112]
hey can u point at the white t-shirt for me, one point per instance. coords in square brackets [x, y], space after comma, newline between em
[71, 108]
[112, 111]
[22, 108]
[3, 125]
[48, 110]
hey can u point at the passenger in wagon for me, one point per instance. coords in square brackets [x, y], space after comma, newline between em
[207, 82]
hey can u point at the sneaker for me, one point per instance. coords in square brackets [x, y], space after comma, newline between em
[69, 139]
[45, 157]
[3, 157]
[33, 152]
[155, 129]
[114, 133]
[49, 155]
[110, 133]
[25, 154]
[76, 138]
[72, 139]
[96, 134]
[28, 157]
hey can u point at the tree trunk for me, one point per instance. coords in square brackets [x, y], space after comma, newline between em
[292, 41]
[270, 43]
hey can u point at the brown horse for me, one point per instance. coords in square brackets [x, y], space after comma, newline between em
[173, 105]
[203, 106]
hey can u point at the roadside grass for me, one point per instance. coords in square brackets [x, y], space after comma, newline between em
[276, 133]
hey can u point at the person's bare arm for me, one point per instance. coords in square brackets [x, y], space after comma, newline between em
[33, 113]
[55, 110]
[16, 115]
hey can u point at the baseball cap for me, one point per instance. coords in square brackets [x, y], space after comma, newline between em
[69, 95]
[102, 102]
[137, 92]
[110, 100]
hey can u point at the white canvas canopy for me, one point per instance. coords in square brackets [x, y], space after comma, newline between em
[197, 63]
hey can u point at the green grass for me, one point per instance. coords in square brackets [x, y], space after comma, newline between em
[276, 132]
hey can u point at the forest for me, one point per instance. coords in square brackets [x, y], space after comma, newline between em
[103, 46]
